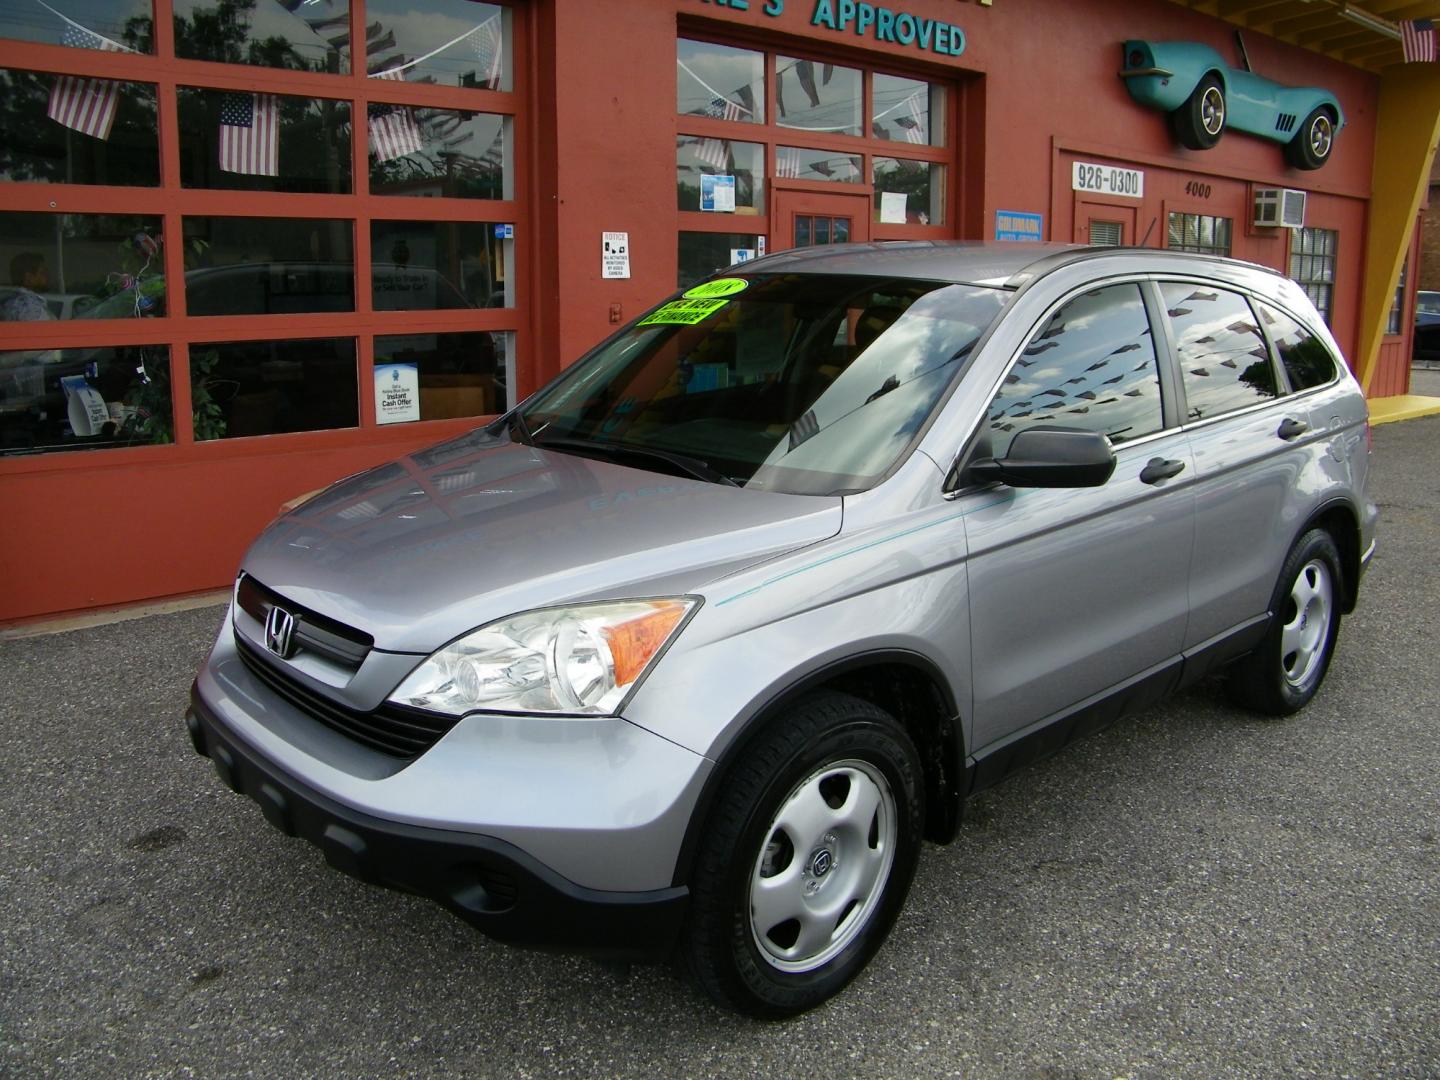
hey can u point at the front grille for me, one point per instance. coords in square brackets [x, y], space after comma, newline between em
[391, 729]
[341, 644]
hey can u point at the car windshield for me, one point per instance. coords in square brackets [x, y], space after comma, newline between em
[1428, 302]
[802, 383]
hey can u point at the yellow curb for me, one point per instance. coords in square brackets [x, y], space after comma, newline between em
[1402, 407]
[105, 616]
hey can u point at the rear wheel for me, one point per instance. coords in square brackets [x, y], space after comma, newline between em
[1314, 141]
[1200, 122]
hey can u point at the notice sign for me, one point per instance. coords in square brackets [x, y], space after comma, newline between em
[1107, 180]
[615, 255]
[717, 194]
[397, 393]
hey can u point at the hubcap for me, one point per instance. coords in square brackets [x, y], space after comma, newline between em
[823, 869]
[1320, 135]
[1306, 631]
[1212, 110]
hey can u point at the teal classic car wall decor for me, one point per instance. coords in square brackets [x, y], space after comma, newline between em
[1204, 96]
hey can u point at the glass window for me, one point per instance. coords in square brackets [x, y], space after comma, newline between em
[301, 35]
[1312, 265]
[719, 82]
[108, 25]
[64, 129]
[1306, 358]
[80, 266]
[697, 156]
[1092, 367]
[270, 266]
[439, 153]
[796, 163]
[916, 191]
[450, 375]
[428, 265]
[1394, 324]
[702, 253]
[263, 142]
[1223, 359]
[1200, 233]
[907, 110]
[84, 399]
[450, 42]
[817, 97]
[243, 388]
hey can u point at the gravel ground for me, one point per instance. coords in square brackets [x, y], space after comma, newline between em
[1194, 892]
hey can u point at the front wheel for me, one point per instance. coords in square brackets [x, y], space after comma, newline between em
[1314, 142]
[807, 857]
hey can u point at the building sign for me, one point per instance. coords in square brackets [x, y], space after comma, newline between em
[615, 255]
[875, 21]
[1019, 225]
[1107, 180]
[397, 393]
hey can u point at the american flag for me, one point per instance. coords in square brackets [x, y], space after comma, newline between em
[250, 134]
[393, 132]
[787, 162]
[85, 105]
[713, 152]
[1417, 40]
[722, 108]
[488, 51]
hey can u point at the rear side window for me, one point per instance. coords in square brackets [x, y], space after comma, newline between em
[1091, 367]
[1307, 360]
[1224, 362]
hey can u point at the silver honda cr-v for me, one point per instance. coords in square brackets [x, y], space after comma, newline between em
[685, 655]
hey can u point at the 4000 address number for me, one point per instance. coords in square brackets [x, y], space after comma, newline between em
[1107, 180]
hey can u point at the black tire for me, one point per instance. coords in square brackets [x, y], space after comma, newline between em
[1314, 142]
[1200, 122]
[1283, 674]
[828, 747]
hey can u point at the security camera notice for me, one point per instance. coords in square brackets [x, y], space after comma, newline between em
[1107, 180]
[615, 255]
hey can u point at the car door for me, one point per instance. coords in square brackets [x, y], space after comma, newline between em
[1082, 591]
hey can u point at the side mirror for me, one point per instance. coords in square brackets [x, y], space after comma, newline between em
[1049, 457]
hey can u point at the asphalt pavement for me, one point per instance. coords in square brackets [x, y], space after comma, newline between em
[1195, 892]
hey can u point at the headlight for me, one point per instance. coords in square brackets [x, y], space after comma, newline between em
[581, 659]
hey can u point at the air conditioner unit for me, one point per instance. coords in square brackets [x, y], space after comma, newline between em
[1279, 208]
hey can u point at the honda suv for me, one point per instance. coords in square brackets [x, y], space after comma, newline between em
[687, 654]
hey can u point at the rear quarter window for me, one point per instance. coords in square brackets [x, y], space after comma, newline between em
[1306, 358]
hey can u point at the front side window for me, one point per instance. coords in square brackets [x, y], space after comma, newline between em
[1224, 363]
[1092, 367]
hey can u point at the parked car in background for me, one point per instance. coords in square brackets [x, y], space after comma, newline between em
[1426, 345]
[688, 653]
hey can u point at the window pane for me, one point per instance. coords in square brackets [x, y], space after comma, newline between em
[84, 399]
[802, 231]
[438, 376]
[430, 265]
[696, 157]
[1223, 357]
[1093, 368]
[263, 142]
[461, 155]
[270, 266]
[80, 266]
[906, 110]
[243, 388]
[64, 129]
[701, 254]
[307, 36]
[449, 42]
[93, 24]
[921, 183]
[817, 97]
[1306, 358]
[799, 164]
[719, 82]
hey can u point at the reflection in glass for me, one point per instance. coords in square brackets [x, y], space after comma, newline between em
[71, 130]
[244, 388]
[461, 155]
[449, 42]
[84, 399]
[86, 24]
[1306, 358]
[701, 254]
[719, 82]
[1223, 359]
[458, 374]
[81, 266]
[817, 97]
[1201, 233]
[300, 35]
[697, 156]
[907, 110]
[270, 266]
[428, 265]
[795, 163]
[922, 184]
[263, 142]
[1092, 368]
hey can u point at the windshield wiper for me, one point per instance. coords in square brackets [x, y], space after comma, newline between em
[701, 470]
[517, 425]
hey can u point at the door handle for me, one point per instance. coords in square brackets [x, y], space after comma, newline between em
[1292, 429]
[1157, 469]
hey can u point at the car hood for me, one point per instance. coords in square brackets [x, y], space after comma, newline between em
[431, 546]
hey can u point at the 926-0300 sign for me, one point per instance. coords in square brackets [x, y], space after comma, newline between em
[1107, 180]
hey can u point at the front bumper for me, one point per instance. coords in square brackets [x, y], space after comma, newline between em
[491, 884]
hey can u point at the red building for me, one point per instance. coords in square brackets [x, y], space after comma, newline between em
[248, 293]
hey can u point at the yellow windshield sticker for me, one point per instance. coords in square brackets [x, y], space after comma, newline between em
[683, 312]
[725, 286]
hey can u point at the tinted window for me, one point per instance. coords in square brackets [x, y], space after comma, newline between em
[1307, 361]
[1223, 359]
[1091, 367]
